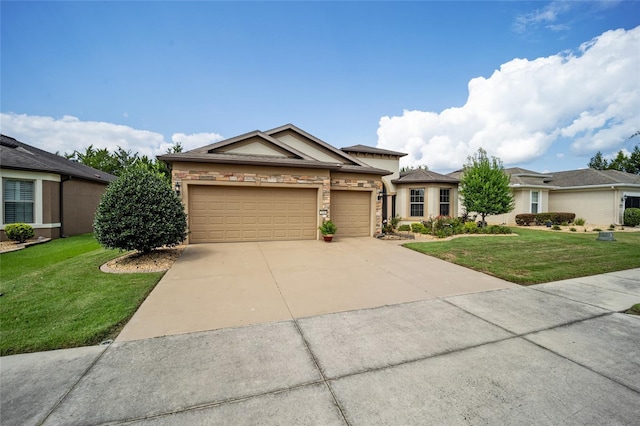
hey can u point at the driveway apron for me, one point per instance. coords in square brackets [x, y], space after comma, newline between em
[214, 286]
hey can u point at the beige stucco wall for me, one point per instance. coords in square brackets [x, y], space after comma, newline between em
[80, 200]
[522, 199]
[431, 201]
[323, 180]
[599, 207]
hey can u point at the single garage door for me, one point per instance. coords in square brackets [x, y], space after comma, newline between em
[223, 213]
[351, 212]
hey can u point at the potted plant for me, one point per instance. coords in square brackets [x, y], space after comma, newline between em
[327, 229]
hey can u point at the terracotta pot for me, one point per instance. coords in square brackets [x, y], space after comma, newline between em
[328, 238]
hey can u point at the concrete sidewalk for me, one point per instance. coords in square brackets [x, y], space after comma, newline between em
[214, 286]
[556, 353]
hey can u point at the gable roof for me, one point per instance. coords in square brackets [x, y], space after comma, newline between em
[356, 149]
[223, 153]
[593, 177]
[523, 177]
[18, 155]
[424, 176]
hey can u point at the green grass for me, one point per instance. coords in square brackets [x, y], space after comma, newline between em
[55, 296]
[535, 257]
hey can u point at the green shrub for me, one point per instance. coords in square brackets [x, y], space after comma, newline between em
[470, 227]
[555, 217]
[580, 221]
[394, 222]
[496, 229]
[525, 219]
[555, 228]
[572, 229]
[328, 228]
[19, 232]
[564, 224]
[140, 211]
[612, 227]
[632, 217]
[596, 229]
[404, 228]
[418, 227]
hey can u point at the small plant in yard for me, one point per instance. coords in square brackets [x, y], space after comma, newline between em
[556, 228]
[580, 221]
[597, 229]
[19, 232]
[612, 227]
[634, 310]
[140, 211]
[564, 224]
[417, 227]
[327, 228]
[572, 229]
[404, 228]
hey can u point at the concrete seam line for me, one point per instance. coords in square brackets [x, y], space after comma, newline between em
[215, 403]
[580, 301]
[306, 343]
[581, 365]
[86, 371]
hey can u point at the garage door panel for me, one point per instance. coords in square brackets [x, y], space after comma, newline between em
[219, 213]
[351, 212]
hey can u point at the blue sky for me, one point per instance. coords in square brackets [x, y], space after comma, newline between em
[434, 79]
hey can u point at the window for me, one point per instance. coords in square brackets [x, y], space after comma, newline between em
[535, 201]
[18, 201]
[416, 202]
[444, 202]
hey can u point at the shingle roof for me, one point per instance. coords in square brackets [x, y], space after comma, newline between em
[589, 177]
[212, 154]
[20, 156]
[424, 176]
[520, 176]
[371, 150]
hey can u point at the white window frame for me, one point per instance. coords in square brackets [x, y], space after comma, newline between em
[416, 203]
[19, 200]
[538, 202]
[37, 178]
[448, 202]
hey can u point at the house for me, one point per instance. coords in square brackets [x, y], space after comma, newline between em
[598, 196]
[278, 184]
[424, 194]
[56, 196]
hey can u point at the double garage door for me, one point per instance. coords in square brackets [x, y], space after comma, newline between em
[227, 213]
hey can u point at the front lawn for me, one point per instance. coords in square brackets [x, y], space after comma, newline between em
[55, 296]
[535, 257]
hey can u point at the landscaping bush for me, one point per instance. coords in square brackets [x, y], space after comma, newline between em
[579, 221]
[417, 227]
[632, 217]
[19, 232]
[572, 229]
[496, 229]
[140, 211]
[404, 228]
[470, 228]
[555, 228]
[525, 219]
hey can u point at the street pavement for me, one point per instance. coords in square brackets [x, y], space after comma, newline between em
[556, 353]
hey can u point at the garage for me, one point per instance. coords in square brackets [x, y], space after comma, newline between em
[238, 213]
[351, 212]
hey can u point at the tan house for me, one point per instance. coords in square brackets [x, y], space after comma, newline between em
[598, 196]
[56, 196]
[279, 184]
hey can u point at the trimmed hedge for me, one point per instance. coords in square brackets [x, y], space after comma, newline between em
[632, 217]
[526, 219]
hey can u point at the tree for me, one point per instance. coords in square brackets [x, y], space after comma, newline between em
[418, 167]
[484, 186]
[139, 211]
[598, 162]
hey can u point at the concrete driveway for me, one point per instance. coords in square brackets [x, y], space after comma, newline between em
[214, 286]
[556, 353]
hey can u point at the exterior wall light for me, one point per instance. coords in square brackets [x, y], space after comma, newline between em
[177, 188]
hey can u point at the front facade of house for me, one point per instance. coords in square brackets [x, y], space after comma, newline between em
[274, 185]
[52, 194]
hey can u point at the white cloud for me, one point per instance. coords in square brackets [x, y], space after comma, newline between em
[591, 97]
[70, 133]
[547, 15]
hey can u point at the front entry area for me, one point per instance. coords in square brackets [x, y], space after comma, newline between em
[239, 213]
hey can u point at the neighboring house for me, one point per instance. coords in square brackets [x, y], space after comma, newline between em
[56, 196]
[279, 184]
[598, 196]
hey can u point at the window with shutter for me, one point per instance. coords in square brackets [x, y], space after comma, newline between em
[18, 197]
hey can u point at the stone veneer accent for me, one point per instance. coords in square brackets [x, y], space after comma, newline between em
[288, 178]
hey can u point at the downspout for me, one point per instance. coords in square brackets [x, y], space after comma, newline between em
[62, 181]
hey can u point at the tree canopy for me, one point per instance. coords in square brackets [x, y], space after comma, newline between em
[484, 186]
[120, 160]
[622, 162]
